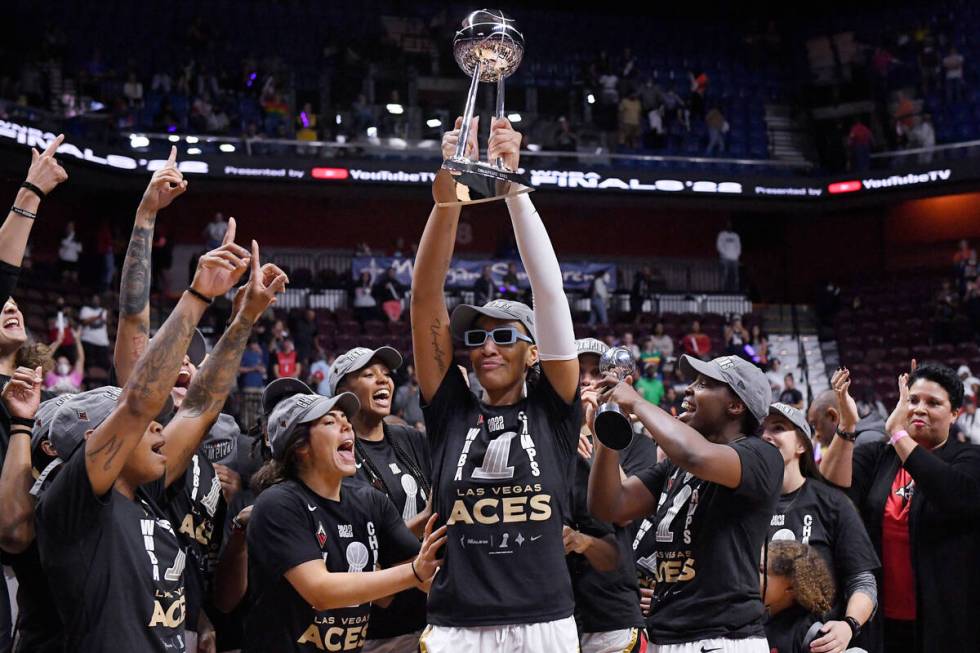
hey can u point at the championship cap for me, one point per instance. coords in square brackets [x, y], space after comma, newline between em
[745, 379]
[591, 346]
[80, 414]
[44, 416]
[358, 358]
[794, 415]
[465, 315]
[221, 443]
[279, 390]
[297, 409]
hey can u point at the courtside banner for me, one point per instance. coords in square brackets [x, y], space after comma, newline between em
[284, 163]
[463, 273]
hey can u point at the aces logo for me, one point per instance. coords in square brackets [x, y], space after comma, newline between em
[321, 534]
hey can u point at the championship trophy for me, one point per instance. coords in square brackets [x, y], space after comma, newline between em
[488, 48]
[612, 425]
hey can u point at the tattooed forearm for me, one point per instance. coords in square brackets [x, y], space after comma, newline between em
[108, 450]
[214, 381]
[156, 371]
[437, 352]
[134, 291]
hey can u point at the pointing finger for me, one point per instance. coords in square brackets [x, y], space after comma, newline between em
[172, 159]
[256, 268]
[230, 232]
[54, 145]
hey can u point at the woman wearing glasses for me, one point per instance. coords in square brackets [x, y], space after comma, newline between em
[501, 466]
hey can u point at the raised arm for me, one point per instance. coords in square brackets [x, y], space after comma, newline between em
[552, 316]
[21, 396]
[212, 383]
[45, 173]
[144, 394]
[133, 332]
[431, 339]
[836, 464]
[79, 352]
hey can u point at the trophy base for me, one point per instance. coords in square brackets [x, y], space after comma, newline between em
[478, 182]
[612, 427]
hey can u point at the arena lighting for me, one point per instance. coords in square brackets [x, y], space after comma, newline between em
[590, 98]
[173, 138]
[136, 141]
[433, 123]
[514, 117]
[395, 109]
[226, 147]
[337, 119]
[533, 147]
[193, 150]
[192, 139]
[372, 132]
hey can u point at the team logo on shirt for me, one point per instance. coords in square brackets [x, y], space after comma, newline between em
[906, 492]
[357, 557]
[321, 534]
[345, 530]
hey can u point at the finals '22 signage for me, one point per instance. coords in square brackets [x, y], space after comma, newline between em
[285, 166]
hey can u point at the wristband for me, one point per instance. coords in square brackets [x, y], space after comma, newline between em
[236, 524]
[21, 431]
[34, 189]
[416, 573]
[23, 212]
[850, 436]
[898, 436]
[855, 626]
[203, 298]
[23, 421]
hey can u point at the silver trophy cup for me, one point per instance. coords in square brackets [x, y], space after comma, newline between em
[612, 425]
[489, 48]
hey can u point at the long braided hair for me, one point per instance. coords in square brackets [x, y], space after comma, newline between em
[403, 457]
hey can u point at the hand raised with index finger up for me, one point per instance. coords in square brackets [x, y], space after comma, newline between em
[45, 171]
[165, 186]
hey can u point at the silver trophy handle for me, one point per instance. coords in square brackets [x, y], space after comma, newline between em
[500, 111]
[464, 130]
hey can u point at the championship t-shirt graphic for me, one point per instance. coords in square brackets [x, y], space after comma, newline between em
[502, 479]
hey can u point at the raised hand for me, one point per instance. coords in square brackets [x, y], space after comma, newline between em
[841, 383]
[505, 143]
[220, 269]
[45, 171]
[899, 417]
[426, 564]
[165, 185]
[22, 394]
[265, 283]
[619, 392]
[451, 138]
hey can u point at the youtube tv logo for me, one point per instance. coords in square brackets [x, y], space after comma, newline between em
[332, 174]
[844, 187]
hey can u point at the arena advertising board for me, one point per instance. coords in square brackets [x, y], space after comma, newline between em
[283, 164]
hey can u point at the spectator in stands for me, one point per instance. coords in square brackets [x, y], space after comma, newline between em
[904, 117]
[510, 285]
[699, 89]
[319, 373]
[133, 90]
[775, 376]
[650, 385]
[566, 140]
[365, 306]
[697, 344]
[65, 377]
[760, 346]
[859, 143]
[287, 362]
[964, 253]
[968, 422]
[94, 318]
[389, 292]
[970, 382]
[214, 232]
[68, 254]
[717, 128]
[650, 355]
[651, 96]
[967, 272]
[407, 403]
[971, 306]
[252, 370]
[923, 136]
[630, 113]
[627, 342]
[675, 108]
[729, 247]
[662, 341]
[953, 65]
[929, 65]
[484, 288]
[672, 401]
[307, 123]
[60, 329]
[790, 394]
[736, 337]
[944, 308]
[642, 290]
[304, 332]
[608, 100]
[599, 300]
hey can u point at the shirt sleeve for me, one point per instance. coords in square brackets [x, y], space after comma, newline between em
[69, 505]
[863, 462]
[853, 551]
[565, 418]
[398, 544]
[278, 533]
[762, 469]
[453, 393]
[655, 478]
[9, 274]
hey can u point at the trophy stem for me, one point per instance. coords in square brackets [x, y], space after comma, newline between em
[500, 109]
[464, 131]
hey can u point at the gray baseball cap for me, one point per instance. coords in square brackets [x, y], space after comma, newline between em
[794, 415]
[221, 443]
[44, 416]
[80, 414]
[298, 409]
[358, 358]
[591, 346]
[465, 315]
[279, 390]
[745, 379]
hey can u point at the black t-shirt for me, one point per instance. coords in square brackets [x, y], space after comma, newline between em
[604, 601]
[707, 543]
[823, 517]
[406, 612]
[791, 396]
[502, 478]
[787, 630]
[197, 509]
[291, 525]
[38, 625]
[114, 564]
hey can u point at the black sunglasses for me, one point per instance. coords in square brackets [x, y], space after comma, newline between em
[501, 336]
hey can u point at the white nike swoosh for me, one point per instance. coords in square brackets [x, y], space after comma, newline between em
[536, 537]
[311, 508]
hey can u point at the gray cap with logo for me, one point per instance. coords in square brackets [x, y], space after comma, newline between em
[44, 416]
[297, 409]
[82, 413]
[745, 379]
[358, 358]
[220, 446]
[794, 415]
[465, 315]
[591, 346]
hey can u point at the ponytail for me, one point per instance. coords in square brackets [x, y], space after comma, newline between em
[274, 471]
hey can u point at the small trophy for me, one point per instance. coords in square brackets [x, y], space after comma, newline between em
[612, 425]
[488, 48]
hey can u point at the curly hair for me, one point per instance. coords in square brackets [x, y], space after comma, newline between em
[944, 376]
[810, 575]
[34, 354]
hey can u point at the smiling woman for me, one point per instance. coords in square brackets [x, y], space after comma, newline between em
[16, 347]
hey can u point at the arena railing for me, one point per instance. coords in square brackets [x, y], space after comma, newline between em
[926, 155]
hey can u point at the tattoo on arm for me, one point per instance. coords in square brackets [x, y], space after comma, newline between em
[213, 382]
[437, 351]
[135, 287]
[109, 449]
[157, 369]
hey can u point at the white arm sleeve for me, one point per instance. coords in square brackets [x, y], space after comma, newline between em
[552, 316]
